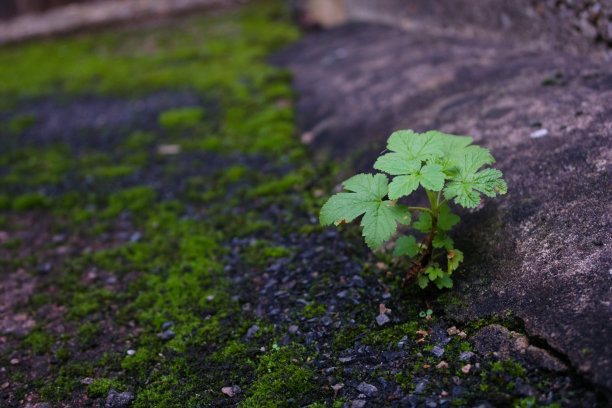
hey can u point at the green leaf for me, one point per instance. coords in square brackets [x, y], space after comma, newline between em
[406, 246]
[441, 240]
[423, 224]
[380, 217]
[429, 176]
[446, 219]
[379, 224]
[423, 281]
[434, 273]
[415, 146]
[408, 152]
[444, 281]
[397, 163]
[455, 257]
[465, 188]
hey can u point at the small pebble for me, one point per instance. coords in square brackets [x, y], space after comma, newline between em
[382, 319]
[437, 351]
[167, 325]
[367, 389]
[466, 368]
[539, 133]
[442, 365]
[293, 329]
[168, 335]
[14, 361]
[466, 355]
[228, 391]
[358, 403]
[131, 352]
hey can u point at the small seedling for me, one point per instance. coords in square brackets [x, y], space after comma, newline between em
[448, 168]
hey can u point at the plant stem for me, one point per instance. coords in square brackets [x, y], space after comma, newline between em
[419, 209]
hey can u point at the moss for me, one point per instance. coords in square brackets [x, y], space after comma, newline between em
[31, 201]
[87, 332]
[88, 302]
[181, 118]
[112, 171]
[5, 202]
[33, 166]
[101, 386]
[66, 381]
[134, 199]
[39, 341]
[313, 310]
[277, 186]
[282, 379]
[20, 123]
[138, 140]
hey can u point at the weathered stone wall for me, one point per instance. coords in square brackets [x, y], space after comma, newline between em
[571, 25]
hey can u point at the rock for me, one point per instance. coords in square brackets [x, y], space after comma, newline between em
[382, 319]
[326, 321]
[251, 331]
[167, 325]
[358, 403]
[367, 389]
[14, 361]
[437, 351]
[231, 391]
[466, 368]
[452, 331]
[115, 399]
[466, 355]
[420, 387]
[44, 268]
[167, 335]
[357, 280]
[504, 344]
[536, 248]
[538, 133]
[442, 365]
[293, 329]
[130, 352]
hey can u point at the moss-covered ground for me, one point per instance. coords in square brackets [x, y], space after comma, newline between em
[159, 236]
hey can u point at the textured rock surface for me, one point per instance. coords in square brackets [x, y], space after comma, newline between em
[504, 344]
[544, 250]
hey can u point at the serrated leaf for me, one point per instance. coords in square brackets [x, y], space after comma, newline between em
[431, 177]
[415, 146]
[441, 240]
[376, 184]
[379, 224]
[465, 189]
[455, 257]
[380, 217]
[403, 186]
[423, 281]
[406, 246]
[434, 273]
[397, 163]
[444, 281]
[423, 224]
[446, 219]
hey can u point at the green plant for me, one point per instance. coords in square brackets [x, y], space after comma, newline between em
[448, 167]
